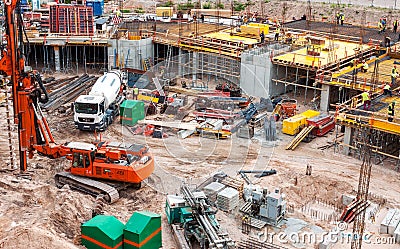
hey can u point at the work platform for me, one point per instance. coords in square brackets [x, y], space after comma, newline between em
[367, 34]
[376, 119]
[331, 53]
[353, 78]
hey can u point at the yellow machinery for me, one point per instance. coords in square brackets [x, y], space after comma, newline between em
[164, 11]
[293, 125]
[254, 29]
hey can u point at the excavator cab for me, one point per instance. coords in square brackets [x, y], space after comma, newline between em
[82, 158]
[82, 162]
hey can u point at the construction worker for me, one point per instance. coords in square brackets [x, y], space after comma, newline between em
[394, 74]
[380, 26]
[135, 92]
[391, 111]
[386, 90]
[366, 100]
[395, 25]
[384, 24]
[341, 19]
[337, 18]
[262, 37]
[364, 67]
[277, 31]
[387, 41]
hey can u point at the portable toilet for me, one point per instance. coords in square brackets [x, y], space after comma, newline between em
[131, 111]
[143, 230]
[102, 231]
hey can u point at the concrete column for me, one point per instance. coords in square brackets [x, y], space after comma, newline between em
[195, 65]
[179, 61]
[57, 58]
[347, 140]
[324, 106]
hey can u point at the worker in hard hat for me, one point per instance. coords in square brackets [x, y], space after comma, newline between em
[391, 111]
[387, 90]
[277, 32]
[364, 67]
[366, 100]
[135, 92]
[394, 74]
[380, 26]
[341, 19]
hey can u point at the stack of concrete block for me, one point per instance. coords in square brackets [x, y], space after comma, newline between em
[397, 234]
[228, 199]
[390, 222]
[394, 222]
[212, 189]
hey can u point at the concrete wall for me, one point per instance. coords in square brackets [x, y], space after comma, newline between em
[257, 72]
[130, 52]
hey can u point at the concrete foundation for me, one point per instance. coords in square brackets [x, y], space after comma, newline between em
[257, 72]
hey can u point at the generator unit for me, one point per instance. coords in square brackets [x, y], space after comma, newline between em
[264, 205]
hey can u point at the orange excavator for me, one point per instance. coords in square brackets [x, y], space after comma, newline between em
[97, 168]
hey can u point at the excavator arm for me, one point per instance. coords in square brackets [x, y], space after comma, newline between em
[27, 90]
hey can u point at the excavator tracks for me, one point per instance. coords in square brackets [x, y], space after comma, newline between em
[86, 185]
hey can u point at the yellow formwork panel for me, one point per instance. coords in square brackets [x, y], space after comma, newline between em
[234, 52]
[310, 113]
[385, 126]
[343, 50]
[231, 38]
[262, 26]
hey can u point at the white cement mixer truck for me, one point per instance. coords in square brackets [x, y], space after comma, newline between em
[100, 107]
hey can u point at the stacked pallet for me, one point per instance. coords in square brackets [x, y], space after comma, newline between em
[228, 199]
[234, 183]
[212, 189]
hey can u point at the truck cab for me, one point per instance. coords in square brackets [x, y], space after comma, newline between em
[89, 113]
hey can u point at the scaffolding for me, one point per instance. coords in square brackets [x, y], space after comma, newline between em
[196, 69]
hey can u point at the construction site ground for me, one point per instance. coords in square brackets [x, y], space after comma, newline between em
[35, 214]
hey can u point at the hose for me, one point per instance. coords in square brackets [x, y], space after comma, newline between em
[41, 85]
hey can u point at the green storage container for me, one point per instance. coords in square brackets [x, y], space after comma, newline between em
[102, 231]
[143, 230]
[131, 111]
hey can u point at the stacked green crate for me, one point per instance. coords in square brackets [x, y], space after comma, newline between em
[102, 231]
[143, 231]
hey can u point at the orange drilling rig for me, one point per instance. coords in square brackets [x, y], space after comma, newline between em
[114, 162]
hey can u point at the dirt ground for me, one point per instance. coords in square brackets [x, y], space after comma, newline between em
[36, 214]
[37, 209]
